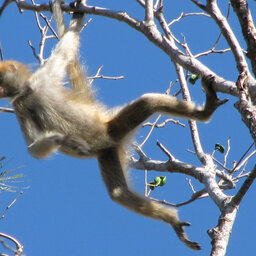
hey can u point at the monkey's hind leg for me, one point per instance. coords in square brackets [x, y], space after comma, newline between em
[133, 114]
[114, 178]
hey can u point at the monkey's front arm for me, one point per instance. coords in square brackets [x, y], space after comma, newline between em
[52, 142]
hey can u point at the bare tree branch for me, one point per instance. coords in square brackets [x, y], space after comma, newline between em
[189, 63]
[248, 28]
[10, 205]
[19, 246]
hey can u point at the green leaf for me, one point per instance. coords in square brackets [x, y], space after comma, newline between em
[157, 180]
[163, 180]
[220, 148]
[193, 78]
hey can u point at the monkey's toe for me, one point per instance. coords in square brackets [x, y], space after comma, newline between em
[185, 224]
[193, 245]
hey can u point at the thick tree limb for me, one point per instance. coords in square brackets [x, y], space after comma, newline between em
[151, 32]
[248, 29]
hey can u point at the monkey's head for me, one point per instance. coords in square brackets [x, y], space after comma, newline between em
[13, 75]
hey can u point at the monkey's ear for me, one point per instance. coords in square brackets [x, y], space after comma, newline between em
[12, 68]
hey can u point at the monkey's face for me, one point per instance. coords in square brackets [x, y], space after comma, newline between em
[12, 76]
[3, 90]
[7, 86]
[7, 77]
[3, 93]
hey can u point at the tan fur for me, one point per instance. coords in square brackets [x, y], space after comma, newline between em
[54, 118]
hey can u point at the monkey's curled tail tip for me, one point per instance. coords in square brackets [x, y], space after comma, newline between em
[179, 229]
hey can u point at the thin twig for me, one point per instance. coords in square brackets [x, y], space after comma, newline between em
[48, 23]
[236, 200]
[10, 205]
[197, 195]
[212, 50]
[164, 149]
[240, 160]
[183, 15]
[161, 125]
[7, 110]
[33, 50]
[191, 185]
[106, 77]
[150, 131]
[227, 153]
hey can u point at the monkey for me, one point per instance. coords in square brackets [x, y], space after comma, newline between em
[55, 118]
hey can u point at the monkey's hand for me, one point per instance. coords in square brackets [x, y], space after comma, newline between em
[76, 4]
[179, 229]
[51, 142]
[45, 145]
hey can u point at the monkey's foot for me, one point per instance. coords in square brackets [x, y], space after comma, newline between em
[211, 94]
[179, 229]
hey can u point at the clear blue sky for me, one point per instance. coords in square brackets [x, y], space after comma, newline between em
[66, 209]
